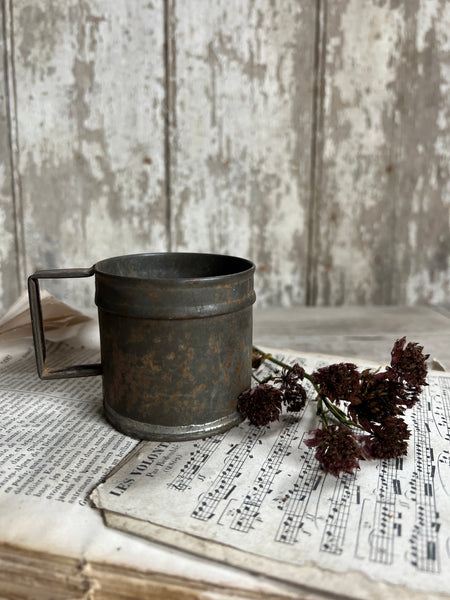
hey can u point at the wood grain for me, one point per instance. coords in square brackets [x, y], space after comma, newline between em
[354, 332]
[90, 112]
[9, 214]
[384, 178]
[241, 136]
[310, 137]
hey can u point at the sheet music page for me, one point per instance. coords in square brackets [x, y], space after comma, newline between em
[260, 490]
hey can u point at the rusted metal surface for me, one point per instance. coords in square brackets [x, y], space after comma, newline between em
[176, 334]
[176, 338]
[37, 325]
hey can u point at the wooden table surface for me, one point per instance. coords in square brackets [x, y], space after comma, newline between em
[356, 332]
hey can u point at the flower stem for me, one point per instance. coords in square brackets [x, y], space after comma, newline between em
[340, 415]
[262, 381]
[256, 379]
[265, 356]
[320, 399]
[320, 412]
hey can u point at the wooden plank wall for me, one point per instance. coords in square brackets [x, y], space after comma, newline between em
[384, 187]
[310, 136]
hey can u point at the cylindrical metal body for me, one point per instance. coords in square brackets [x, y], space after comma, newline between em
[176, 339]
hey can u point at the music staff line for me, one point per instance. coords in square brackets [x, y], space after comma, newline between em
[424, 545]
[299, 495]
[250, 508]
[198, 458]
[333, 536]
[224, 484]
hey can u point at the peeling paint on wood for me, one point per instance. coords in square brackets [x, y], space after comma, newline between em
[242, 135]
[312, 138]
[90, 108]
[384, 191]
[9, 255]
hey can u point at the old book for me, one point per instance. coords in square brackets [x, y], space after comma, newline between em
[255, 497]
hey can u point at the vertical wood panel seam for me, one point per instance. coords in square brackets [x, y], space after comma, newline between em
[316, 151]
[169, 110]
[393, 296]
[13, 134]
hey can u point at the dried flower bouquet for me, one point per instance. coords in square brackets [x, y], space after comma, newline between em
[359, 412]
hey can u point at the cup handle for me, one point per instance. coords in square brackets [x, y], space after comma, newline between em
[37, 325]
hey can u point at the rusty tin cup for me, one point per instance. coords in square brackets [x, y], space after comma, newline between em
[175, 338]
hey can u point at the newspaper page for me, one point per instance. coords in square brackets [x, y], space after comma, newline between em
[55, 447]
[256, 496]
[55, 443]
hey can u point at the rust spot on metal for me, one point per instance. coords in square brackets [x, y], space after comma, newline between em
[175, 354]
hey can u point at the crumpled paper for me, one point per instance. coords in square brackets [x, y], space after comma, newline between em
[61, 322]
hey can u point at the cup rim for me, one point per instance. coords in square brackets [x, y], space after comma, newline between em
[248, 266]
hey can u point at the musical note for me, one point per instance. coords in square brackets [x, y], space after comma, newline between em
[197, 459]
[223, 485]
[336, 524]
[295, 507]
[424, 541]
[267, 473]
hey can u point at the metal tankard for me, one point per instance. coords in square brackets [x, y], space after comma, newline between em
[175, 339]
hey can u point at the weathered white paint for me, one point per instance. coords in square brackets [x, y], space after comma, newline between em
[384, 234]
[242, 136]
[321, 154]
[358, 94]
[9, 242]
[90, 108]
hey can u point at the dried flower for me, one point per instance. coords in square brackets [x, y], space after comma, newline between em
[338, 382]
[408, 367]
[294, 394]
[261, 404]
[257, 359]
[337, 449]
[388, 439]
[408, 363]
[347, 401]
[379, 399]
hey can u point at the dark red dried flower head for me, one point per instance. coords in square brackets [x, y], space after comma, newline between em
[297, 372]
[295, 398]
[261, 404]
[338, 382]
[337, 449]
[349, 399]
[294, 394]
[257, 359]
[408, 367]
[388, 439]
[408, 363]
[380, 398]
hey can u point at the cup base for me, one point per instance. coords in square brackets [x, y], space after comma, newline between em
[162, 433]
